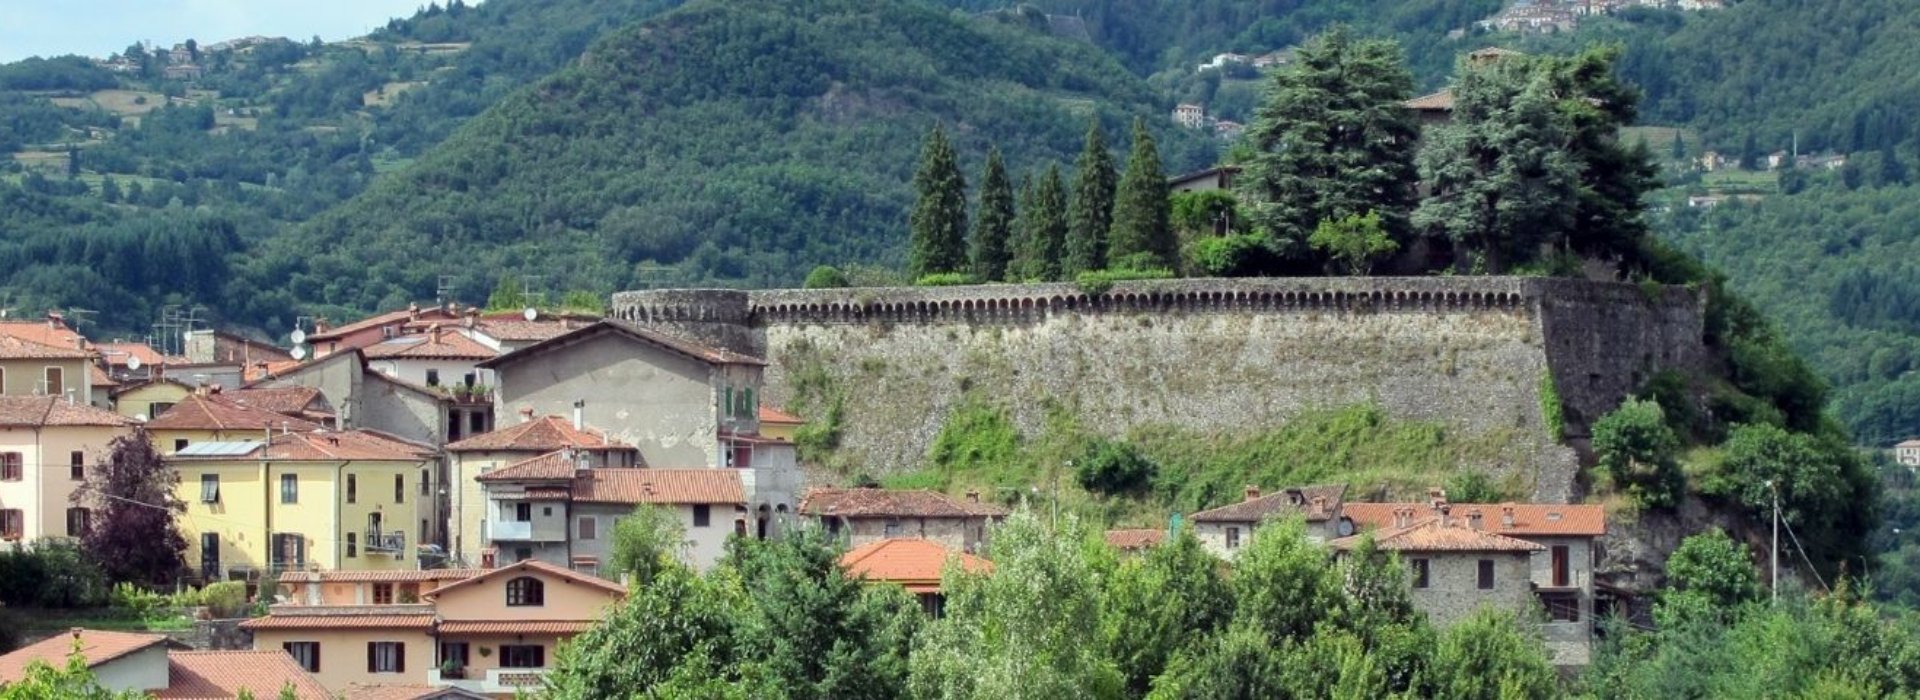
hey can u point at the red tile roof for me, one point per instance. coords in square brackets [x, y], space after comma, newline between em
[774, 416]
[690, 349]
[636, 486]
[1441, 101]
[284, 400]
[380, 576]
[324, 445]
[1438, 535]
[96, 646]
[514, 626]
[371, 322]
[98, 378]
[556, 465]
[1298, 500]
[535, 565]
[13, 348]
[49, 332]
[217, 675]
[538, 435]
[341, 622]
[358, 691]
[514, 328]
[1135, 540]
[913, 563]
[435, 344]
[215, 412]
[117, 354]
[856, 503]
[1536, 519]
[43, 411]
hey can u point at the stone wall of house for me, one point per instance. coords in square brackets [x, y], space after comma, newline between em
[1473, 353]
[957, 534]
[1453, 584]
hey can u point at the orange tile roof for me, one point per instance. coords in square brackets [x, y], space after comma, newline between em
[555, 465]
[217, 675]
[49, 332]
[435, 344]
[117, 354]
[535, 565]
[378, 320]
[636, 486]
[96, 646]
[1135, 540]
[778, 417]
[514, 626]
[215, 412]
[544, 434]
[359, 691]
[1441, 101]
[1438, 535]
[378, 576]
[512, 327]
[1536, 519]
[1258, 507]
[284, 400]
[42, 411]
[341, 622]
[13, 348]
[855, 503]
[911, 562]
[690, 349]
[350, 444]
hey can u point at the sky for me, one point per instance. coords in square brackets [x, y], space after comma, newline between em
[101, 27]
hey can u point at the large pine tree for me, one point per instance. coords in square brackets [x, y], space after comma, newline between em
[1332, 140]
[1050, 225]
[1025, 246]
[939, 220]
[1090, 214]
[993, 225]
[1142, 235]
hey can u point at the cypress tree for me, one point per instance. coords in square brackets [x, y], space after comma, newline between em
[1025, 245]
[1050, 225]
[939, 220]
[1090, 214]
[993, 225]
[1142, 236]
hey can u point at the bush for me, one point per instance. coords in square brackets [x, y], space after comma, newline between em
[1637, 449]
[51, 575]
[1114, 468]
[827, 277]
[225, 599]
[945, 279]
[137, 603]
[1097, 282]
[1228, 256]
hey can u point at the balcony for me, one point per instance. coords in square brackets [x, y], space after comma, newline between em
[526, 531]
[501, 681]
[390, 542]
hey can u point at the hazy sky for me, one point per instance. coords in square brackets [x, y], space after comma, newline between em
[101, 27]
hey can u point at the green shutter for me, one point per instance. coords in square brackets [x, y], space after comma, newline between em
[751, 409]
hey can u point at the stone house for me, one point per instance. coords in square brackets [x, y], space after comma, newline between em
[861, 516]
[528, 439]
[47, 445]
[151, 665]
[1227, 529]
[555, 509]
[1454, 568]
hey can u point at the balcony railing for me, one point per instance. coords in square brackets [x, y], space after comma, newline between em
[494, 680]
[510, 530]
[390, 542]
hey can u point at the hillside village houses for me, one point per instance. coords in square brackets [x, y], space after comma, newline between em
[1225, 530]
[1907, 453]
[47, 445]
[861, 516]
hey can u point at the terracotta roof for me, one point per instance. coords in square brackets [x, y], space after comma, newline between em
[359, 691]
[96, 646]
[710, 355]
[538, 435]
[378, 320]
[340, 622]
[514, 328]
[1258, 507]
[514, 626]
[556, 465]
[1909, 443]
[778, 417]
[911, 562]
[41, 411]
[117, 354]
[98, 378]
[123, 389]
[217, 675]
[1135, 540]
[284, 400]
[1441, 101]
[13, 348]
[535, 565]
[635, 486]
[1437, 535]
[1537, 519]
[56, 334]
[435, 344]
[855, 503]
[378, 576]
[215, 412]
[350, 444]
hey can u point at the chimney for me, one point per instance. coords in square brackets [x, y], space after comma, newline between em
[413, 311]
[472, 316]
[75, 631]
[580, 414]
[1473, 519]
[1402, 517]
[433, 333]
[55, 320]
[321, 324]
[973, 496]
[79, 342]
[1437, 497]
[1253, 492]
[1506, 516]
[526, 413]
[1320, 505]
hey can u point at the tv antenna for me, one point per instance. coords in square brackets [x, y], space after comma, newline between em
[443, 291]
[650, 275]
[79, 316]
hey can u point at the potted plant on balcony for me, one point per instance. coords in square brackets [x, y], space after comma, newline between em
[451, 668]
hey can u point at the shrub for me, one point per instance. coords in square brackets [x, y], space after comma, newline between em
[1097, 282]
[977, 438]
[1637, 449]
[827, 277]
[1114, 468]
[136, 602]
[1227, 256]
[945, 279]
[1355, 241]
[226, 598]
[51, 575]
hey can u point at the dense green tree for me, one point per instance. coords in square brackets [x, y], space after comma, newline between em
[1043, 227]
[1331, 140]
[1142, 236]
[1713, 571]
[1355, 242]
[644, 543]
[809, 630]
[677, 628]
[939, 221]
[1640, 453]
[1489, 656]
[990, 246]
[1281, 582]
[73, 680]
[826, 277]
[1160, 603]
[1090, 212]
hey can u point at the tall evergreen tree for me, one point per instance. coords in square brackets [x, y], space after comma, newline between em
[1025, 246]
[1142, 235]
[1332, 140]
[1594, 105]
[993, 225]
[1090, 215]
[1050, 225]
[939, 220]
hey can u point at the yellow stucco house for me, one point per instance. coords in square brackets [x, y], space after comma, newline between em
[47, 447]
[304, 501]
[146, 400]
[779, 425]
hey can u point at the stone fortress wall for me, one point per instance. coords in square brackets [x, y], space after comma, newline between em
[1206, 354]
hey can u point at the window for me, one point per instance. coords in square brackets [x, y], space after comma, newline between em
[383, 594]
[289, 551]
[11, 466]
[523, 656]
[455, 652]
[1562, 607]
[77, 465]
[156, 408]
[467, 379]
[522, 512]
[525, 591]
[179, 444]
[1562, 565]
[289, 488]
[702, 514]
[13, 523]
[353, 546]
[56, 381]
[1233, 538]
[546, 511]
[209, 488]
[589, 528]
[353, 488]
[426, 483]
[748, 409]
[477, 422]
[433, 377]
[1486, 574]
[453, 426]
[209, 555]
[307, 654]
[3, 381]
[386, 657]
[893, 527]
[79, 521]
[1419, 573]
[399, 488]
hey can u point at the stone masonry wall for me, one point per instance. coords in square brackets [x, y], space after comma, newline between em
[1245, 354]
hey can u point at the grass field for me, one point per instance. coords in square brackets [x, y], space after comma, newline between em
[1741, 181]
[122, 102]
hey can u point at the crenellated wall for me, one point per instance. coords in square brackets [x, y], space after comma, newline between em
[1205, 354]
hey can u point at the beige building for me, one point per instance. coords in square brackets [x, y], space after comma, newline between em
[1907, 453]
[150, 663]
[529, 438]
[556, 509]
[492, 632]
[146, 400]
[47, 446]
[862, 516]
[1227, 529]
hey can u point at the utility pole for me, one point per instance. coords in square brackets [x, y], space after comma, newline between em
[1774, 587]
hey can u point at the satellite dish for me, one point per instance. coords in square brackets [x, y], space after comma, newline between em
[133, 362]
[299, 351]
[530, 314]
[297, 336]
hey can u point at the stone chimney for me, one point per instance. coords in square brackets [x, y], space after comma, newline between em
[55, 320]
[1320, 505]
[1437, 497]
[973, 496]
[1253, 492]
[1402, 517]
[1473, 519]
[321, 324]
[472, 316]
[433, 334]
[1506, 516]
[413, 311]
[526, 414]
